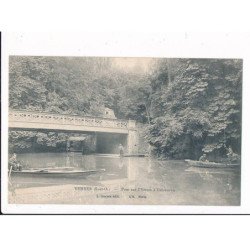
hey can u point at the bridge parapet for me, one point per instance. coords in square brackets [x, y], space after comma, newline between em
[74, 120]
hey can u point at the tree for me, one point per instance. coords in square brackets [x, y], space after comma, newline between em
[189, 106]
[203, 103]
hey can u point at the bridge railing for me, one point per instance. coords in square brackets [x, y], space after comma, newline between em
[89, 121]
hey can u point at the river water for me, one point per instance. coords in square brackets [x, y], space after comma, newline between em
[127, 180]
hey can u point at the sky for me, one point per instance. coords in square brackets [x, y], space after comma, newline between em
[130, 64]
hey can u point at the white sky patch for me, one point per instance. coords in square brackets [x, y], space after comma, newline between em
[132, 64]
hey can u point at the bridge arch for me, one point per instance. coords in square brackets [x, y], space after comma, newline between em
[101, 127]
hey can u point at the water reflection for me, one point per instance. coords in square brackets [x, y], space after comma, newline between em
[184, 185]
[121, 163]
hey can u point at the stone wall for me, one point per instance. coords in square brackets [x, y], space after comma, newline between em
[144, 147]
[137, 143]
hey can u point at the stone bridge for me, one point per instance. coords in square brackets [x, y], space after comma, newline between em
[26, 120]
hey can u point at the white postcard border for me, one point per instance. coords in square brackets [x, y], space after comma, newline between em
[175, 45]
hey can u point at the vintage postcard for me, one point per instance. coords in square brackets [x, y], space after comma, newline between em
[90, 131]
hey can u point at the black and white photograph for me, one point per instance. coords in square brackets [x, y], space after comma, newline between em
[124, 124]
[124, 130]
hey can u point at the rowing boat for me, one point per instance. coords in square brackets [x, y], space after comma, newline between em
[55, 173]
[209, 164]
[135, 155]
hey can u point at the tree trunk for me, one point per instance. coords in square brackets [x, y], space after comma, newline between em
[148, 114]
[169, 71]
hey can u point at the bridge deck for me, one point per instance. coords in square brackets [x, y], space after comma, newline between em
[74, 123]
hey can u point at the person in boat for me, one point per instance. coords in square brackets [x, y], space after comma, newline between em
[203, 158]
[121, 150]
[13, 158]
[14, 164]
[232, 157]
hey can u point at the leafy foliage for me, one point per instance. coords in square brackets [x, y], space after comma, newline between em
[200, 109]
[189, 106]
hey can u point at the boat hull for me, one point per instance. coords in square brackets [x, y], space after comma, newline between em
[55, 174]
[204, 164]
